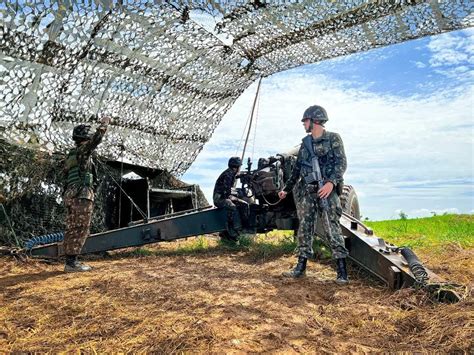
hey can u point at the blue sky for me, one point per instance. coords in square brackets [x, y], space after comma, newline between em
[412, 68]
[405, 113]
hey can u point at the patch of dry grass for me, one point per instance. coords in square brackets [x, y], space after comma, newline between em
[173, 299]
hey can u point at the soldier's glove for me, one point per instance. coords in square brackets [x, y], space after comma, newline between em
[105, 120]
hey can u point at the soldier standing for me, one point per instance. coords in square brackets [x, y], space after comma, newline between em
[329, 150]
[222, 193]
[79, 192]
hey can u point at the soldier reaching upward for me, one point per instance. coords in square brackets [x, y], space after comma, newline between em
[79, 192]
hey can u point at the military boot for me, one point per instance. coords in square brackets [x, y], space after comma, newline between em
[233, 233]
[341, 272]
[299, 270]
[73, 265]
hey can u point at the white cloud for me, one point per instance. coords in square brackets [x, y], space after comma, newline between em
[414, 152]
[426, 212]
[420, 64]
[391, 142]
[452, 54]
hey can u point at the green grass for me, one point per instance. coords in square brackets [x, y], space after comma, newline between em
[432, 232]
[258, 247]
[263, 246]
[269, 245]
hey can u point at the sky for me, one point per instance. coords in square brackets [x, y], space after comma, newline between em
[405, 113]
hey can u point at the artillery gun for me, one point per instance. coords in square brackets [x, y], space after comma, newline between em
[395, 266]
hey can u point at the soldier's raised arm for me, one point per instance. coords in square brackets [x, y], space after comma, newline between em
[90, 145]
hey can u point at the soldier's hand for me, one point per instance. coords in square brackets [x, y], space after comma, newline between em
[282, 194]
[105, 120]
[326, 190]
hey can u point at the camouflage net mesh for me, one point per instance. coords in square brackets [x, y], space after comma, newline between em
[31, 194]
[166, 71]
[166, 79]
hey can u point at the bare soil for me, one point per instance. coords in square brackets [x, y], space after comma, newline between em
[223, 300]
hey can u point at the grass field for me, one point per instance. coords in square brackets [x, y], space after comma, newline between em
[428, 233]
[432, 233]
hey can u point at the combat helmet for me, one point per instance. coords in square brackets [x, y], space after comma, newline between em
[81, 133]
[317, 114]
[235, 162]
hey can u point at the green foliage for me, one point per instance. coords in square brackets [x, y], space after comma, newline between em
[263, 246]
[272, 245]
[195, 246]
[433, 232]
[403, 216]
[403, 228]
[141, 252]
[199, 245]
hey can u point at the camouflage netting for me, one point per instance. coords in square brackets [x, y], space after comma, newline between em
[166, 80]
[166, 71]
[30, 193]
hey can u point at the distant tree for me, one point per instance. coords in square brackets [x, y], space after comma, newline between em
[404, 219]
[403, 216]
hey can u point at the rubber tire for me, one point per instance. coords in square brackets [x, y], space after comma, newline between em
[350, 202]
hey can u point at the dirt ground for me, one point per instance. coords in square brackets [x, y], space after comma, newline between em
[225, 300]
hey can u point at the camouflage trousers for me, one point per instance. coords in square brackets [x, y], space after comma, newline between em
[231, 205]
[78, 220]
[309, 212]
[224, 202]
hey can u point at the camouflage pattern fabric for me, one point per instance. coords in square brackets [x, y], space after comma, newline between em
[308, 213]
[332, 159]
[148, 63]
[221, 202]
[224, 183]
[223, 188]
[78, 220]
[84, 159]
[79, 199]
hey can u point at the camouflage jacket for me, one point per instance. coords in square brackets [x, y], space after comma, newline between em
[84, 159]
[224, 183]
[332, 160]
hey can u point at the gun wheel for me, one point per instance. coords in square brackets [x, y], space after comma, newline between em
[350, 202]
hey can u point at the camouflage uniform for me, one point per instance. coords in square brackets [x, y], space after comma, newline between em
[223, 188]
[79, 196]
[332, 159]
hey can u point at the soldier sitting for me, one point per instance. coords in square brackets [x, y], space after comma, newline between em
[222, 193]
